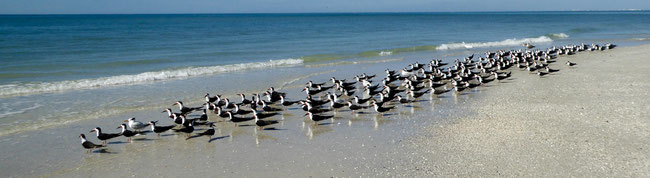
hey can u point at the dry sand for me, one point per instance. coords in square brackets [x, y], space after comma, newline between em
[591, 120]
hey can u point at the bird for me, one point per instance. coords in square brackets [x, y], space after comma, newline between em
[220, 112]
[211, 99]
[244, 100]
[361, 101]
[317, 118]
[416, 95]
[528, 45]
[177, 119]
[285, 102]
[203, 117]
[268, 108]
[228, 104]
[402, 100]
[549, 70]
[210, 132]
[186, 129]
[353, 107]
[235, 119]
[171, 113]
[263, 123]
[314, 85]
[380, 109]
[263, 115]
[541, 74]
[185, 110]
[438, 91]
[104, 136]
[87, 144]
[186, 122]
[159, 129]
[501, 77]
[311, 92]
[308, 107]
[239, 111]
[127, 133]
[459, 89]
[569, 63]
[335, 105]
[135, 125]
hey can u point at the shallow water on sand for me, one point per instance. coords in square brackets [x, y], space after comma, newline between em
[299, 146]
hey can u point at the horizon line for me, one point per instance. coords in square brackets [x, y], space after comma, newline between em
[351, 12]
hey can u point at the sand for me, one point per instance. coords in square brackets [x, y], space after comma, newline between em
[591, 120]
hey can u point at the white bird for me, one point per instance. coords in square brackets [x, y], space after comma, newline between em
[135, 125]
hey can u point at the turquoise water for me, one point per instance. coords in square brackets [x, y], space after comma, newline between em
[77, 60]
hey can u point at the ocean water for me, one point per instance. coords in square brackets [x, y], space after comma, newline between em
[58, 69]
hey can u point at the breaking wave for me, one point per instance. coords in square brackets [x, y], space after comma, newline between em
[507, 42]
[558, 35]
[44, 87]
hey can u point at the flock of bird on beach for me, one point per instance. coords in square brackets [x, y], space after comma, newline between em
[413, 81]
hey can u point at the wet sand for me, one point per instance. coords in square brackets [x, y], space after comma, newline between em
[568, 123]
[591, 120]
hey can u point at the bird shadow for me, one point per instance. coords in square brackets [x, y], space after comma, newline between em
[146, 132]
[325, 123]
[193, 136]
[117, 142]
[388, 114]
[104, 151]
[273, 128]
[141, 139]
[218, 138]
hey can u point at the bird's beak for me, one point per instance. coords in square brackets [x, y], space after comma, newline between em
[91, 131]
[306, 114]
[164, 111]
[174, 104]
[118, 127]
[126, 120]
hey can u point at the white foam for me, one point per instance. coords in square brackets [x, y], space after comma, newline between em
[558, 35]
[385, 53]
[18, 111]
[43, 87]
[507, 42]
[641, 39]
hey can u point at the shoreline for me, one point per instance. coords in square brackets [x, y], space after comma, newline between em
[366, 146]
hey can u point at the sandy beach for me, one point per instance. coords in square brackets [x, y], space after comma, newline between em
[591, 120]
[587, 120]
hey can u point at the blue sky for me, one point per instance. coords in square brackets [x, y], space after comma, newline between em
[296, 6]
